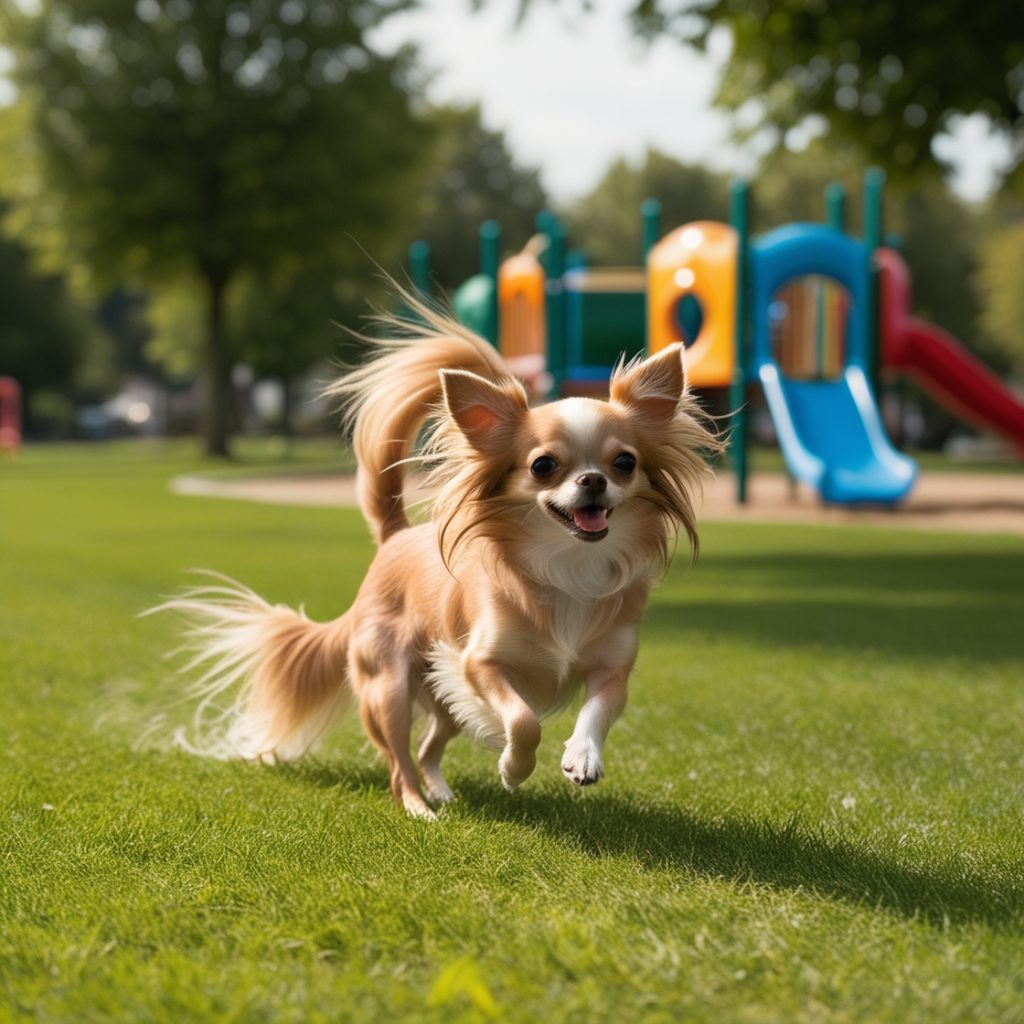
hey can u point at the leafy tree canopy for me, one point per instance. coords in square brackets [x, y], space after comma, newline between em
[1002, 298]
[607, 224]
[178, 139]
[471, 177]
[887, 76]
[47, 340]
[215, 134]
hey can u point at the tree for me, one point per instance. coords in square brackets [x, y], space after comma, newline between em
[889, 77]
[470, 177]
[941, 240]
[790, 186]
[1002, 299]
[288, 320]
[607, 223]
[187, 140]
[47, 340]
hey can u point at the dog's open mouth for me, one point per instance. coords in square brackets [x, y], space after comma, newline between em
[587, 523]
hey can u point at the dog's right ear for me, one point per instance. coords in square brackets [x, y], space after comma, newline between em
[651, 389]
[488, 413]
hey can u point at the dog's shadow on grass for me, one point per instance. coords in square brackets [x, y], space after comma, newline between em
[789, 856]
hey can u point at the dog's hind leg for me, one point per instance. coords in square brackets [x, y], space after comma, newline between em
[440, 729]
[385, 703]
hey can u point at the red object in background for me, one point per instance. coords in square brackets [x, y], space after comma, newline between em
[940, 364]
[10, 414]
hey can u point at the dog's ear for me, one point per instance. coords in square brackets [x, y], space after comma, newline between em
[651, 389]
[488, 413]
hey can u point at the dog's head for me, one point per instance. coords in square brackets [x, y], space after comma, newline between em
[617, 475]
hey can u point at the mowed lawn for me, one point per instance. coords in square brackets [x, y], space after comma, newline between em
[814, 806]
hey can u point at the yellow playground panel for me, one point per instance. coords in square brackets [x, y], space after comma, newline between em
[521, 315]
[697, 260]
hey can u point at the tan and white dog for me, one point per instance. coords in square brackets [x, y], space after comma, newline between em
[549, 528]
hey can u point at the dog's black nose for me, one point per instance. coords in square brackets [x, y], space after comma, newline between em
[595, 483]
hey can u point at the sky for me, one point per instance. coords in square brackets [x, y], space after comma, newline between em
[571, 91]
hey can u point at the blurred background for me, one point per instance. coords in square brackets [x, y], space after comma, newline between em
[194, 193]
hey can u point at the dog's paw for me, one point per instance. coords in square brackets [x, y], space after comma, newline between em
[514, 771]
[581, 762]
[416, 808]
[439, 792]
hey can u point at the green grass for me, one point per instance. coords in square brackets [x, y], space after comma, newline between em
[812, 811]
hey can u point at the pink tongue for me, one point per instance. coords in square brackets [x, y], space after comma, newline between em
[593, 520]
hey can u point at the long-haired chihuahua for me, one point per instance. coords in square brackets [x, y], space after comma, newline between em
[548, 529]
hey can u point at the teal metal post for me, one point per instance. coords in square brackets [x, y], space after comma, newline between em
[650, 212]
[490, 248]
[901, 386]
[874, 184]
[835, 206]
[543, 222]
[739, 217]
[835, 217]
[554, 303]
[419, 267]
[576, 259]
[490, 259]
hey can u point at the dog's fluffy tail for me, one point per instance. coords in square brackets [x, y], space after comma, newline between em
[390, 396]
[269, 682]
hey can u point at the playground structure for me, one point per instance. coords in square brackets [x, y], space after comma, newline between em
[806, 313]
[938, 364]
[10, 415]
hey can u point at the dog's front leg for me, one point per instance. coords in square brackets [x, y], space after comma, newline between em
[606, 697]
[522, 730]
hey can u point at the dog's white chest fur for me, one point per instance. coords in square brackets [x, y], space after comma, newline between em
[552, 653]
[571, 625]
[447, 680]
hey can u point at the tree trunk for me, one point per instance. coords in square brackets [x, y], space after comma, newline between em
[215, 420]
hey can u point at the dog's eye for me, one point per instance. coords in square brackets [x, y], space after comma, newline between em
[543, 467]
[624, 463]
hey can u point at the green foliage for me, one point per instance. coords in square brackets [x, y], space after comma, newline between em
[471, 177]
[887, 77]
[279, 324]
[812, 809]
[175, 318]
[1000, 272]
[190, 141]
[606, 223]
[184, 136]
[122, 312]
[47, 340]
[290, 320]
[941, 238]
[790, 187]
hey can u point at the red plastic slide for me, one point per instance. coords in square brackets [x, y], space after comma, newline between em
[940, 364]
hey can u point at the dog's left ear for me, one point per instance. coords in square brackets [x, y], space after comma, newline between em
[652, 389]
[488, 413]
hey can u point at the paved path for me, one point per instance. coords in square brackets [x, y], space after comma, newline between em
[983, 503]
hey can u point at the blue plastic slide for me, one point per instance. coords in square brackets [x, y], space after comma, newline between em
[830, 431]
[831, 437]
